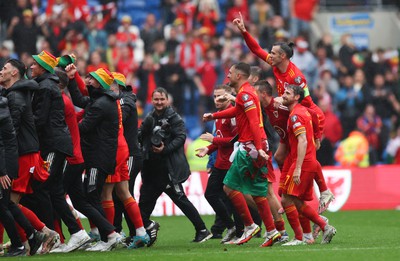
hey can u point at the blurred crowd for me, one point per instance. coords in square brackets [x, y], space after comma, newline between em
[187, 46]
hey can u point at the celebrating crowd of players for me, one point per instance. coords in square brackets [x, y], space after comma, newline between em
[46, 145]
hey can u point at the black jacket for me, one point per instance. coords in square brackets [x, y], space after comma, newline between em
[19, 97]
[48, 113]
[98, 128]
[173, 153]
[130, 122]
[8, 143]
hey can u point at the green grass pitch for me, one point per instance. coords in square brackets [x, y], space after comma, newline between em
[361, 235]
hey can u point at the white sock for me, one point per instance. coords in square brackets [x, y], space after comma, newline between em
[140, 231]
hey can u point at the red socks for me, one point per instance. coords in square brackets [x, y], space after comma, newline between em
[239, 202]
[265, 212]
[280, 224]
[320, 180]
[293, 219]
[305, 224]
[108, 206]
[58, 229]
[33, 219]
[312, 215]
[133, 212]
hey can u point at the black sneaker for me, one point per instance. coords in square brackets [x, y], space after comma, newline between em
[35, 242]
[152, 231]
[216, 235]
[202, 236]
[14, 251]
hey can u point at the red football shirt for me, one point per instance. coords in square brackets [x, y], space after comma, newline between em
[300, 122]
[225, 131]
[248, 116]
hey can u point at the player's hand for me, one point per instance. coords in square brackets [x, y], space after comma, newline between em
[317, 144]
[71, 70]
[207, 137]
[239, 23]
[5, 181]
[201, 152]
[296, 176]
[278, 102]
[158, 150]
[263, 154]
[208, 117]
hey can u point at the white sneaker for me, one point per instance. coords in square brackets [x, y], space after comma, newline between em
[230, 234]
[233, 241]
[324, 200]
[317, 229]
[248, 233]
[102, 246]
[328, 234]
[60, 249]
[272, 237]
[308, 238]
[77, 239]
[294, 242]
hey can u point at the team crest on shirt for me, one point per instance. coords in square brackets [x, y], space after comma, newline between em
[245, 97]
[293, 118]
[297, 80]
[276, 114]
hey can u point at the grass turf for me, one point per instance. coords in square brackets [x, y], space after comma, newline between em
[362, 235]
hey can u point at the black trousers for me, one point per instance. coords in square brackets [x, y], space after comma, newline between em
[93, 184]
[50, 196]
[155, 182]
[218, 200]
[135, 166]
[11, 213]
[73, 185]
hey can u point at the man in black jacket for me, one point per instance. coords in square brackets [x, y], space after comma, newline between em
[19, 94]
[8, 172]
[99, 139]
[55, 145]
[165, 167]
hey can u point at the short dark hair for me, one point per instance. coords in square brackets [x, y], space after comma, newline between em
[287, 48]
[264, 86]
[20, 66]
[297, 90]
[160, 90]
[244, 68]
[255, 71]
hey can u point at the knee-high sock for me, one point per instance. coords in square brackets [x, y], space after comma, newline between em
[305, 224]
[31, 216]
[280, 224]
[320, 180]
[58, 229]
[312, 215]
[108, 206]
[293, 219]
[265, 212]
[1, 233]
[239, 202]
[133, 211]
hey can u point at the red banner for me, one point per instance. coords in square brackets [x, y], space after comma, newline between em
[354, 189]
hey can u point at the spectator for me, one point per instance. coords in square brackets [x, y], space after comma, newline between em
[326, 43]
[370, 125]
[24, 34]
[329, 82]
[260, 12]
[150, 32]
[96, 37]
[306, 62]
[349, 103]
[333, 128]
[361, 85]
[392, 150]
[353, 151]
[302, 12]
[325, 63]
[185, 13]
[346, 52]
[208, 16]
[96, 62]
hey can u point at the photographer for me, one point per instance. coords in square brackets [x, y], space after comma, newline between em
[162, 135]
